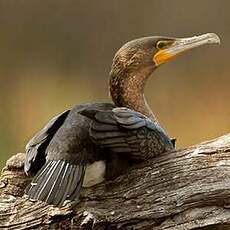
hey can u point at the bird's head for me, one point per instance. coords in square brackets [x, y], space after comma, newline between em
[137, 59]
[145, 54]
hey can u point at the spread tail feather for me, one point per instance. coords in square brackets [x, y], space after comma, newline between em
[56, 182]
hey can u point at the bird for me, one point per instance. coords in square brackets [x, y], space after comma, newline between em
[93, 142]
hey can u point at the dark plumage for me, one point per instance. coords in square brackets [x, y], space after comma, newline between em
[126, 132]
[90, 142]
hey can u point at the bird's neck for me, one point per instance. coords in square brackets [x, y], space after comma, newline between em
[127, 90]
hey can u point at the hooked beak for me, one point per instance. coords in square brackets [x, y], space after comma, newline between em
[181, 45]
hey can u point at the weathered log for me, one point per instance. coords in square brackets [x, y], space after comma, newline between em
[185, 189]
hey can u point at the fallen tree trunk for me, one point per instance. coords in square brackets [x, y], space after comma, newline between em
[185, 189]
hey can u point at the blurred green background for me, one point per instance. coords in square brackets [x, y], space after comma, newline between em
[55, 53]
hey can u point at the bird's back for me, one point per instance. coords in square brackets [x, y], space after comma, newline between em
[73, 136]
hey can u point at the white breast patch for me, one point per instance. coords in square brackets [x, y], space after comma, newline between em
[94, 174]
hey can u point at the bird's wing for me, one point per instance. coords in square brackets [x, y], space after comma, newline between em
[36, 147]
[57, 181]
[68, 153]
[125, 131]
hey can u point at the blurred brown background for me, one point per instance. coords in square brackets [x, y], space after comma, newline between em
[54, 54]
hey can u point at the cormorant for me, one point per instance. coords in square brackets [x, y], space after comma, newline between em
[90, 142]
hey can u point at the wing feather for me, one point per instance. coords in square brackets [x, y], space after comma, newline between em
[126, 131]
[35, 149]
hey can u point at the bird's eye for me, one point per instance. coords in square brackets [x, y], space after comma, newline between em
[161, 44]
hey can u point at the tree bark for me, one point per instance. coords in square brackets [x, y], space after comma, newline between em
[185, 189]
